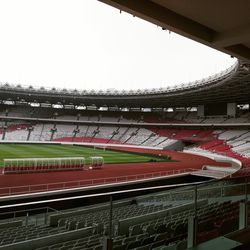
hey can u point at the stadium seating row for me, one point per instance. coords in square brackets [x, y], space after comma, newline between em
[156, 221]
[234, 143]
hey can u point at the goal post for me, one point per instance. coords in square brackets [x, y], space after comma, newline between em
[27, 165]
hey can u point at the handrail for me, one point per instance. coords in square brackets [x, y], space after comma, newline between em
[14, 190]
[29, 210]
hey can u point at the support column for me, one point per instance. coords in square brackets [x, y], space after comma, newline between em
[243, 216]
[200, 111]
[108, 241]
[192, 230]
[4, 129]
[192, 223]
[53, 131]
[231, 109]
[30, 129]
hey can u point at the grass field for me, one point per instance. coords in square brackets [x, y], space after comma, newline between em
[8, 151]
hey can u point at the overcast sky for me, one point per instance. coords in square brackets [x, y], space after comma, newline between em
[86, 44]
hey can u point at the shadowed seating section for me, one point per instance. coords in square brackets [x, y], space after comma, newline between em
[155, 221]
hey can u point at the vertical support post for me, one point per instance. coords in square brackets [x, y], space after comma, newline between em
[243, 216]
[246, 201]
[5, 128]
[111, 217]
[246, 191]
[108, 241]
[46, 216]
[192, 226]
[192, 223]
[27, 219]
[195, 201]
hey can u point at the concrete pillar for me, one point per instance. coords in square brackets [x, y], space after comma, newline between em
[200, 111]
[107, 243]
[192, 231]
[192, 222]
[243, 216]
[231, 109]
[4, 130]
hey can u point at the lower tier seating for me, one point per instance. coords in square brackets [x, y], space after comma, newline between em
[155, 221]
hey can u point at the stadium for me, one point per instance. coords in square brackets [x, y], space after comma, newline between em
[161, 168]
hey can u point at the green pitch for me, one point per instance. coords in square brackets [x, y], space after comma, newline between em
[8, 151]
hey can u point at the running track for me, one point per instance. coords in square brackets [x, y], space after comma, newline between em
[182, 161]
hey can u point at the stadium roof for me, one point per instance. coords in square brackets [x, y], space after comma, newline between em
[231, 85]
[223, 25]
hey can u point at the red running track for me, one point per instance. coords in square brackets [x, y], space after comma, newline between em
[181, 161]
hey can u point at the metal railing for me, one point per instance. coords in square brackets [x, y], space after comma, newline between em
[32, 216]
[15, 190]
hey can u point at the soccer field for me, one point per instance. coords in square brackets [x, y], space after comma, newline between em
[8, 151]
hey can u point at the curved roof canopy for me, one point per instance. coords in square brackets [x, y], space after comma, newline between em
[231, 85]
